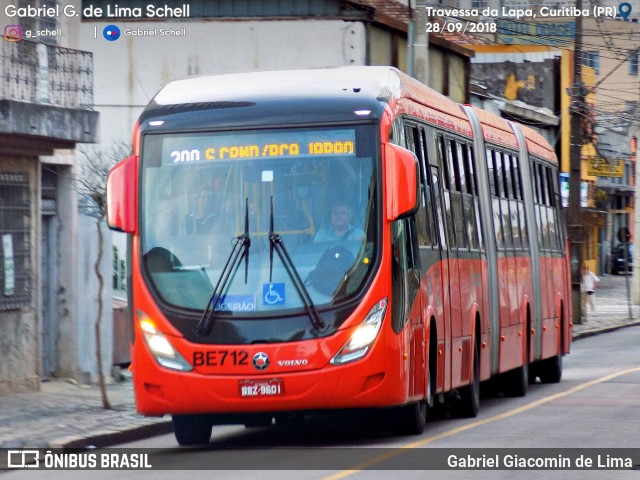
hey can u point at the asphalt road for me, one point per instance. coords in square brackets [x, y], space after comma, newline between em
[596, 406]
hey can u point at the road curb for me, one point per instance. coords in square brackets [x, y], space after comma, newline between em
[590, 333]
[110, 438]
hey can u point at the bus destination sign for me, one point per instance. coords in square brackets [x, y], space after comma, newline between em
[215, 146]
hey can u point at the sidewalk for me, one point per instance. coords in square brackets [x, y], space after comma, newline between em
[63, 414]
[612, 308]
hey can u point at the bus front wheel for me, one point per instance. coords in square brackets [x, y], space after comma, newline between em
[191, 430]
[410, 419]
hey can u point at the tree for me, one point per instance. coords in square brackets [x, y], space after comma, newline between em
[91, 184]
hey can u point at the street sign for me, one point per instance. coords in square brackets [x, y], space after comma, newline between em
[601, 167]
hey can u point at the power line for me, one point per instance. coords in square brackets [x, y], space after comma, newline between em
[551, 40]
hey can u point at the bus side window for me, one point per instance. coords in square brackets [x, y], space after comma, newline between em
[466, 169]
[447, 176]
[494, 185]
[454, 163]
[409, 136]
[457, 184]
[425, 214]
[468, 194]
[437, 206]
[427, 200]
[536, 201]
[517, 187]
[423, 226]
[442, 161]
[513, 194]
[552, 212]
[544, 237]
[476, 201]
[493, 172]
[395, 132]
[557, 206]
[505, 215]
[539, 201]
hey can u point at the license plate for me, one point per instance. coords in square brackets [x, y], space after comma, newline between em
[271, 387]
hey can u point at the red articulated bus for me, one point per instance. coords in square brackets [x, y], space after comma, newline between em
[317, 240]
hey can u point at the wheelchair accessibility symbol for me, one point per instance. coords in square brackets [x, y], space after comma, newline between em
[273, 293]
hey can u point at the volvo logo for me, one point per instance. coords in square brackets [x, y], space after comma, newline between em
[260, 361]
[293, 363]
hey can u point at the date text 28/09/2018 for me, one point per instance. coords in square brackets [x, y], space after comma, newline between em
[461, 27]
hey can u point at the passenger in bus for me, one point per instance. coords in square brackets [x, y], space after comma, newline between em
[589, 283]
[202, 218]
[340, 226]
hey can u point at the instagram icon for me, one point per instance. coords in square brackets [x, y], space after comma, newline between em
[13, 33]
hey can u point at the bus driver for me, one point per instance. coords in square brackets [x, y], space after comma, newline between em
[340, 227]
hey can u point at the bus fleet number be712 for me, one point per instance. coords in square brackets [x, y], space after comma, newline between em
[218, 358]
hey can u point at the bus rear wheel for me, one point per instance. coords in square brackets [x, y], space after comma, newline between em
[516, 381]
[550, 369]
[191, 430]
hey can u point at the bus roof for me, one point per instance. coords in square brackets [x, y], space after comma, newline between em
[293, 97]
[376, 83]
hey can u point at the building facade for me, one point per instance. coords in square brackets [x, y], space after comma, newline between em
[46, 93]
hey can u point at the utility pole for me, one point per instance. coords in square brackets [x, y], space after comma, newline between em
[410, 43]
[574, 214]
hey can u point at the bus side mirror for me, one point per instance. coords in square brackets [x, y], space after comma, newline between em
[122, 196]
[401, 182]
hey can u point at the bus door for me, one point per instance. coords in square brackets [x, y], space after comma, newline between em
[452, 181]
[511, 235]
[519, 237]
[430, 228]
[442, 277]
[500, 209]
[406, 304]
[548, 296]
[514, 285]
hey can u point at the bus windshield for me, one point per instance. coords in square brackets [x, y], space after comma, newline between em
[316, 188]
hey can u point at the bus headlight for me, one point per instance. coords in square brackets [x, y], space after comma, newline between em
[160, 346]
[362, 339]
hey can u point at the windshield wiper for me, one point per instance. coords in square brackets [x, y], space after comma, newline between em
[276, 243]
[239, 251]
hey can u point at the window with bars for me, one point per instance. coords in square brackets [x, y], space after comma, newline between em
[15, 240]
